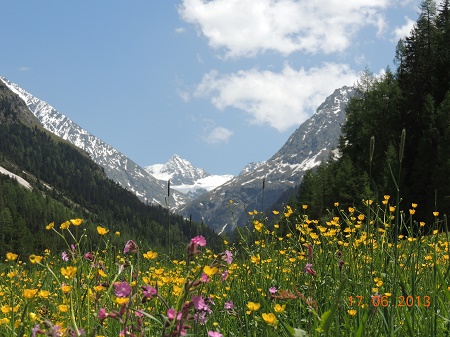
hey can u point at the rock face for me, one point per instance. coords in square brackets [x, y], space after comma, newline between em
[117, 166]
[260, 184]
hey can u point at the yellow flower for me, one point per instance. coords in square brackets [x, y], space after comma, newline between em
[422, 224]
[63, 308]
[32, 316]
[76, 222]
[279, 308]
[275, 212]
[252, 306]
[35, 259]
[435, 213]
[11, 256]
[101, 273]
[65, 225]
[413, 205]
[4, 320]
[256, 259]
[412, 211]
[102, 230]
[117, 233]
[270, 318]
[66, 288]
[6, 309]
[50, 226]
[29, 293]
[351, 209]
[99, 288]
[336, 204]
[210, 271]
[69, 271]
[122, 300]
[44, 293]
[258, 225]
[352, 312]
[304, 206]
[150, 255]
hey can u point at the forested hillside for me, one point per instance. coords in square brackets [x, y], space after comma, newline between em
[67, 184]
[413, 100]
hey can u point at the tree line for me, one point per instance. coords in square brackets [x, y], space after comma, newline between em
[413, 100]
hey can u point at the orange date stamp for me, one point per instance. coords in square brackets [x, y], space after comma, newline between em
[389, 301]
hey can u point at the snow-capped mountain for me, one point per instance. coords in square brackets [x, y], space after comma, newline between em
[117, 166]
[259, 185]
[186, 178]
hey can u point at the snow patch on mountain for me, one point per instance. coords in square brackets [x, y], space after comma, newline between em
[186, 178]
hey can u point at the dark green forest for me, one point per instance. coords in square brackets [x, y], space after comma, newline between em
[68, 184]
[413, 100]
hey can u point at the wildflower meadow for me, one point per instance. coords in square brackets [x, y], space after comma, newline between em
[370, 270]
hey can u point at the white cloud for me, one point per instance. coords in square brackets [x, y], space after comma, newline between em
[180, 30]
[248, 27]
[401, 32]
[218, 134]
[280, 100]
[24, 68]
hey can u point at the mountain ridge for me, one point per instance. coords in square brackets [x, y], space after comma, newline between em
[260, 184]
[117, 166]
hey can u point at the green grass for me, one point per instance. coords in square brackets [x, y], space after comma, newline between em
[347, 275]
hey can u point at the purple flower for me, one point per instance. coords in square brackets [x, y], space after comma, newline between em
[214, 334]
[224, 275]
[130, 247]
[309, 270]
[65, 256]
[200, 317]
[273, 290]
[228, 305]
[172, 314]
[149, 292]
[123, 289]
[205, 278]
[88, 256]
[199, 240]
[199, 303]
[228, 256]
[102, 314]
[36, 330]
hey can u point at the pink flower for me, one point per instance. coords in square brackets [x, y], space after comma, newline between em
[172, 314]
[229, 305]
[149, 292]
[102, 314]
[224, 275]
[205, 278]
[273, 290]
[65, 256]
[123, 289]
[309, 270]
[130, 247]
[199, 240]
[214, 334]
[228, 256]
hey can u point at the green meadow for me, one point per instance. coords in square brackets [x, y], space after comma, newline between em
[358, 272]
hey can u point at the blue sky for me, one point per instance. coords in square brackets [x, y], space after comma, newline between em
[220, 82]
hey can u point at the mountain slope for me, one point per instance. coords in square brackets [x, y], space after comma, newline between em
[260, 184]
[186, 178]
[63, 183]
[117, 166]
